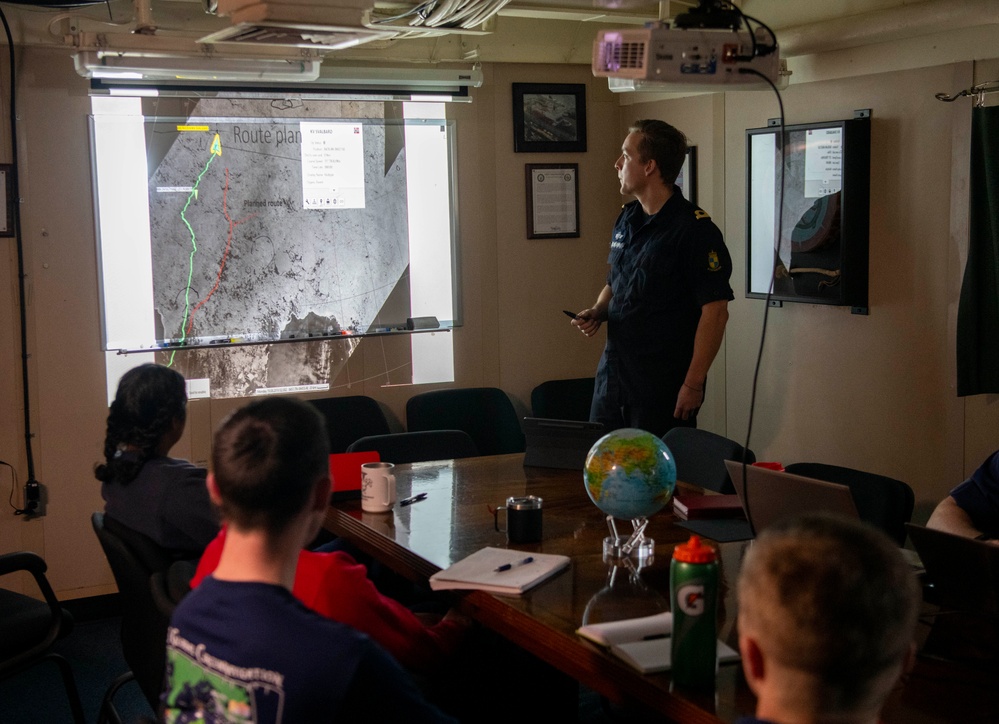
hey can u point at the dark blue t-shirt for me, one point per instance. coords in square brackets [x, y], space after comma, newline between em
[168, 502]
[978, 496]
[252, 652]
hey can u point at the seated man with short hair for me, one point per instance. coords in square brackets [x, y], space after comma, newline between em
[827, 616]
[241, 646]
[972, 508]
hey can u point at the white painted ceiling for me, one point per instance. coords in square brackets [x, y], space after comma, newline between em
[538, 31]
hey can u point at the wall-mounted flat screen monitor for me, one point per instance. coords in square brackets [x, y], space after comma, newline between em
[821, 255]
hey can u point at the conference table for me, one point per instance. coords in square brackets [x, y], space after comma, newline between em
[455, 519]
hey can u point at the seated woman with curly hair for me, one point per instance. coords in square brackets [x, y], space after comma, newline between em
[144, 489]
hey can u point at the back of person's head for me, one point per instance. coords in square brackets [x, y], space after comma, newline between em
[831, 599]
[151, 399]
[266, 460]
[660, 142]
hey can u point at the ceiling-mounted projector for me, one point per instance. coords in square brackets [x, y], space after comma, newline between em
[658, 56]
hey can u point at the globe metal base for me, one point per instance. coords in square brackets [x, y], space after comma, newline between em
[616, 547]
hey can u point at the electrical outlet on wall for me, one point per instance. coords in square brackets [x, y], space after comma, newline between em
[35, 498]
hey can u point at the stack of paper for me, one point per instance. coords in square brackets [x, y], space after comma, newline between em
[643, 643]
[498, 570]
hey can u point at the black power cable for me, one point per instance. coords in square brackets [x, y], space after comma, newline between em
[770, 289]
[16, 216]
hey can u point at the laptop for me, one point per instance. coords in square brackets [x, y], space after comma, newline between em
[770, 495]
[963, 572]
[559, 443]
[774, 494]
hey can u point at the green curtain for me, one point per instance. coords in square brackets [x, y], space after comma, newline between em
[978, 310]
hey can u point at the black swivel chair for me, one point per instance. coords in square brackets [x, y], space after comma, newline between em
[349, 418]
[883, 502]
[134, 559]
[29, 627]
[563, 399]
[700, 457]
[484, 413]
[417, 447]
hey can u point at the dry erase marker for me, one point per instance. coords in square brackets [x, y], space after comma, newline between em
[508, 566]
[571, 314]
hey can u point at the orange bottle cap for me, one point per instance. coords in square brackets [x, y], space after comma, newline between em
[695, 551]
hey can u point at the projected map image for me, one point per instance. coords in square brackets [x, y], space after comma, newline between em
[260, 246]
[240, 250]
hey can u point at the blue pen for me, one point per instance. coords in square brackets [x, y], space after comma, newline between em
[508, 566]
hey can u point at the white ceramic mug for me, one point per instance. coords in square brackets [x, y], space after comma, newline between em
[377, 487]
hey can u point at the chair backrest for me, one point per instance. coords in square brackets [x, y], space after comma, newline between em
[350, 418]
[29, 626]
[700, 457]
[881, 501]
[417, 447]
[563, 399]
[134, 558]
[484, 413]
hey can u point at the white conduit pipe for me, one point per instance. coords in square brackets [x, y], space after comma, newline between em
[880, 26]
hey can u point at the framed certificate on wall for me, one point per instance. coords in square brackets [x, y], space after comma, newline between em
[552, 200]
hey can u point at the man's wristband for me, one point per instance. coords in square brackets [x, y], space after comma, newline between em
[695, 389]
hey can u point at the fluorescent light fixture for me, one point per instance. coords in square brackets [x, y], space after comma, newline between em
[129, 66]
[410, 78]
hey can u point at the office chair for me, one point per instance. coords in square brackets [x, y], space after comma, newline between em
[349, 418]
[484, 413]
[700, 457]
[29, 627]
[883, 502]
[134, 558]
[563, 399]
[417, 447]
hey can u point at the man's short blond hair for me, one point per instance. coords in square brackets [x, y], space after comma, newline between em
[832, 598]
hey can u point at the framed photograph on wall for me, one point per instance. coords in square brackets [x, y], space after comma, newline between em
[549, 117]
[552, 200]
[687, 180]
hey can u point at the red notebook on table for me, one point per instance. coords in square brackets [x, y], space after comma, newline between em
[696, 507]
[345, 470]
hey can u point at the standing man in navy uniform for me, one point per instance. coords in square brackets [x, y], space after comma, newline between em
[667, 293]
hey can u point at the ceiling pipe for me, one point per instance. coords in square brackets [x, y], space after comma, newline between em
[882, 26]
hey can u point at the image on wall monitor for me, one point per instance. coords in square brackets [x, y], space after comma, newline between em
[821, 255]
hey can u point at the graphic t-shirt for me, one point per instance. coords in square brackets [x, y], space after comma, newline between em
[250, 652]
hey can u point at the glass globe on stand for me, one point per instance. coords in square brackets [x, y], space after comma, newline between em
[629, 474]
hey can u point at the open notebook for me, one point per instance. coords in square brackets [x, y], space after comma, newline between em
[644, 643]
[498, 570]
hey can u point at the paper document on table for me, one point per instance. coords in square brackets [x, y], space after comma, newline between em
[500, 571]
[628, 630]
[655, 655]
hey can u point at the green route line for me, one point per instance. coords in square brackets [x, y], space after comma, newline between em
[215, 151]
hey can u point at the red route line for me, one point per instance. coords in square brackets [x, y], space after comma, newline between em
[225, 255]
